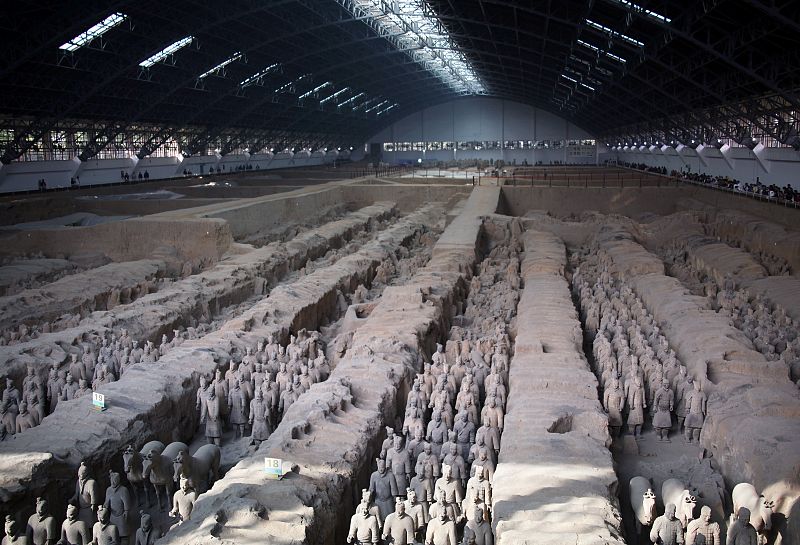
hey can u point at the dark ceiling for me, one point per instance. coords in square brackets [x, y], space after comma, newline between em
[711, 54]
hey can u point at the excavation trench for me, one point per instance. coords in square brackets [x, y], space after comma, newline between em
[196, 298]
[332, 432]
[156, 401]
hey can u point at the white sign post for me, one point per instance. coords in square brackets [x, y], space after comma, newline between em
[98, 401]
[273, 467]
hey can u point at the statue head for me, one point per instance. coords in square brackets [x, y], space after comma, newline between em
[478, 515]
[249, 350]
[447, 472]
[103, 514]
[665, 384]
[83, 384]
[23, 407]
[362, 510]
[41, 507]
[453, 449]
[743, 515]
[427, 448]
[259, 394]
[11, 526]
[381, 465]
[705, 514]
[398, 443]
[669, 511]
[115, 479]
[72, 512]
[186, 484]
[400, 507]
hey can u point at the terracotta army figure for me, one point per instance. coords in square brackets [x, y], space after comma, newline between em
[703, 527]
[383, 488]
[399, 526]
[696, 404]
[42, 527]
[220, 385]
[12, 396]
[103, 532]
[636, 406]
[741, 532]
[73, 530]
[364, 528]
[69, 389]
[146, 534]
[492, 415]
[441, 505]
[664, 404]
[441, 530]
[479, 485]
[259, 418]
[416, 511]
[436, 433]
[490, 437]
[76, 368]
[8, 421]
[456, 462]
[14, 535]
[614, 403]
[183, 501]
[398, 460]
[201, 396]
[465, 433]
[237, 408]
[422, 483]
[53, 389]
[683, 387]
[25, 419]
[211, 417]
[83, 389]
[480, 528]
[388, 443]
[667, 530]
[454, 494]
[87, 495]
[119, 503]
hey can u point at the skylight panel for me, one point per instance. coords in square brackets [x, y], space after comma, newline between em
[334, 95]
[352, 99]
[258, 75]
[316, 89]
[614, 33]
[85, 38]
[376, 106]
[166, 52]
[411, 27]
[233, 58]
[286, 86]
[639, 9]
[386, 110]
[596, 49]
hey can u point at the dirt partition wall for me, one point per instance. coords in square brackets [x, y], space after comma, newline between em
[563, 201]
[555, 477]
[127, 240]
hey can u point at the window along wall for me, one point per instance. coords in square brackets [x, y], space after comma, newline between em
[485, 128]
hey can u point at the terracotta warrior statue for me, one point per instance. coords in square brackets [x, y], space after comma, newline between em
[667, 530]
[383, 487]
[664, 405]
[73, 530]
[364, 528]
[119, 503]
[636, 405]
[103, 532]
[614, 403]
[441, 530]
[211, 417]
[42, 527]
[703, 527]
[398, 460]
[696, 404]
[87, 495]
[399, 527]
[183, 501]
[146, 534]
[14, 535]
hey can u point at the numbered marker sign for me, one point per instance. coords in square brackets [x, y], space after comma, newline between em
[273, 467]
[99, 401]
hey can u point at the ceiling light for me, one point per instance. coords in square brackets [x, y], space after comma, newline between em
[166, 52]
[95, 31]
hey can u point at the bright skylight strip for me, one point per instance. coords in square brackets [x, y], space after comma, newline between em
[597, 50]
[316, 89]
[409, 26]
[569, 78]
[286, 86]
[614, 33]
[166, 52]
[639, 9]
[366, 103]
[334, 95]
[84, 38]
[386, 110]
[258, 75]
[233, 58]
[351, 99]
[376, 106]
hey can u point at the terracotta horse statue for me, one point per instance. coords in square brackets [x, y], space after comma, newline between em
[156, 466]
[132, 463]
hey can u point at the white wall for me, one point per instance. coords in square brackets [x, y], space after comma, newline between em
[779, 166]
[481, 119]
